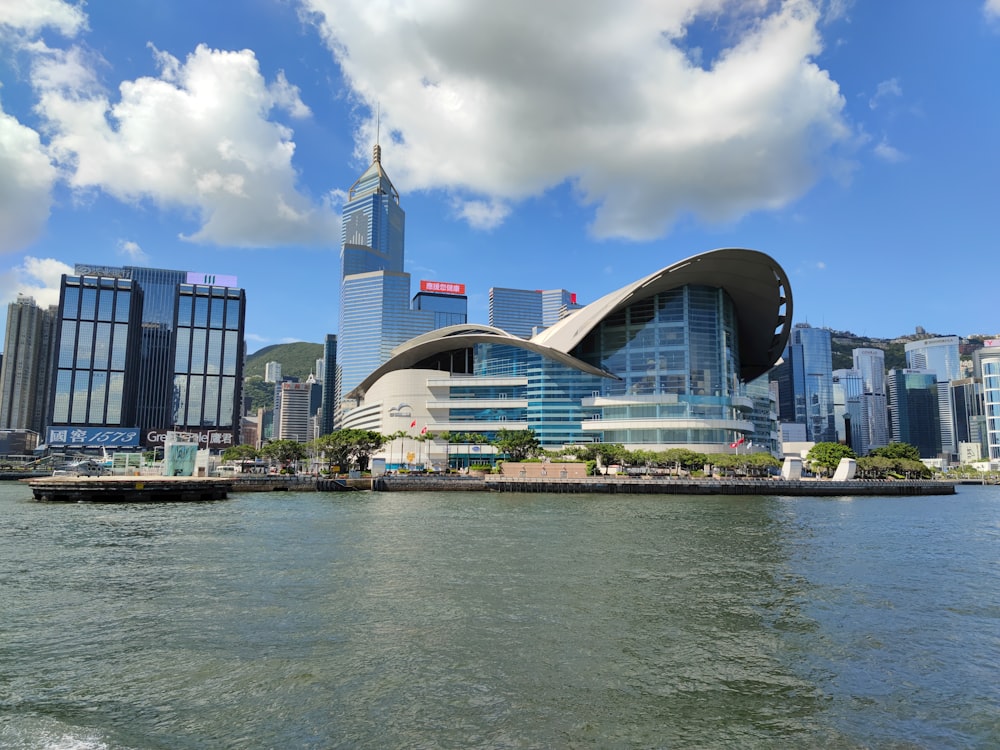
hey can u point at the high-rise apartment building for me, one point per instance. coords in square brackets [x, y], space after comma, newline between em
[272, 372]
[870, 363]
[27, 362]
[913, 410]
[805, 383]
[940, 355]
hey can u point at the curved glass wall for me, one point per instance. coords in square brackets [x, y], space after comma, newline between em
[676, 354]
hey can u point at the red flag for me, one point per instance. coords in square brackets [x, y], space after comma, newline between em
[413, 423]
[738, 442]
[424, 431]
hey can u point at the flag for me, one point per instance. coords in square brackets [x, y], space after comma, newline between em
[738, 442]
[413, 423]
[424, 431]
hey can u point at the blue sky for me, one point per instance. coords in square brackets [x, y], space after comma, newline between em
[534, 145]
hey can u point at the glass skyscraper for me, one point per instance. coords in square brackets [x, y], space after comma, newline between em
[940, 355]
[805, 383]
[913, 410]
[375, 310]
[525, 312]
[870, 363]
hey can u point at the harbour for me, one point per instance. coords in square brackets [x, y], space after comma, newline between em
[484, 619]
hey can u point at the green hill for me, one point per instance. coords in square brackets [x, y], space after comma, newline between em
[297, 360]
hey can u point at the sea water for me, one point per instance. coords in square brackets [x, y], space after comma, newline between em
[478, 620]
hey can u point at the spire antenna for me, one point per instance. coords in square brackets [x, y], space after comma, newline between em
[378, 131]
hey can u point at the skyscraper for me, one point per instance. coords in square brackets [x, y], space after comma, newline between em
[805, 383]
[329, 384]
[848, 393]
[24, 374]
[940, 355]
[987, 363]
[870, 362]
[913, 410]
[375, 311]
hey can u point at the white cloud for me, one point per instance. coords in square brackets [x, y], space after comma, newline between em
[886, 89]
[35, 277]
[31, 16]
[200, 137]
[482, 214]
[992, 9]
[500, 101]
[26, 179]
[132, 251]
[889, 153]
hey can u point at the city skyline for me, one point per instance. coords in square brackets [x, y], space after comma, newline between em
[849, 142]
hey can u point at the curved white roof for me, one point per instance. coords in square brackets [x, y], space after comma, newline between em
[753, 280]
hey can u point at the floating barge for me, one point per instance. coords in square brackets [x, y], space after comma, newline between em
[656, 486]
[141, 489]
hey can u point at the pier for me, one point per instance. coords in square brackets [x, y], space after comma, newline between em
[134, 489]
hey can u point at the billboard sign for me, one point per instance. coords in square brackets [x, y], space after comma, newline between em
[441, 287]
[216, 439]
[93, 437]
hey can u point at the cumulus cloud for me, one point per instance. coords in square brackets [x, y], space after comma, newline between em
[482, 214]
[26, 179]
[35, 277]
[31, 16]
[496, 102]
[199, 136]
[992, 9]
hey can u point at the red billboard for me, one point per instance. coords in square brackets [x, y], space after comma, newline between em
[442, 287]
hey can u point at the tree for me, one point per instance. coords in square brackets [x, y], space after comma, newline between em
[284, 451]
[682, 458]
[897, 450]
[826, 456]
[347, 448]
[517, 444]
[242, 453]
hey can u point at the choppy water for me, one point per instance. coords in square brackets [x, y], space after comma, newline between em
[500, 621]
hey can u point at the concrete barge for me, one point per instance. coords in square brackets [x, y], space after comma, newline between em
[141, 489]
[658, 486]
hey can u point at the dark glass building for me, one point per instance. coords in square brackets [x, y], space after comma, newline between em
[97, 369]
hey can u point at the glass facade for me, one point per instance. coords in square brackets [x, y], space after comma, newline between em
[329, 384]
[208, 357]
[516, 311]
[97, 352]
[447, 309]
[805, 383]
[914, 417]
[990, 368]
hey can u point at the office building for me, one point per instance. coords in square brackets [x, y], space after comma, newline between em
[26, 366]
[525, 312]
[870, 363]
[941, 356]
[987, 368]
[805, 383]
[327, 409]
[98, 357]
[158, 349]
[375, 309]
[913, 410]
[293, 419]
[664, 362]
[272, 372]
[446, 301]
[848, 394]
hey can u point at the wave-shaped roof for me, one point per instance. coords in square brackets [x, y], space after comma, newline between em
[754, 281]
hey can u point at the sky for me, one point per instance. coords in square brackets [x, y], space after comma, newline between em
[564, 144]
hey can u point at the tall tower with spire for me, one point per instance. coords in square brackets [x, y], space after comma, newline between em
[375, 311]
